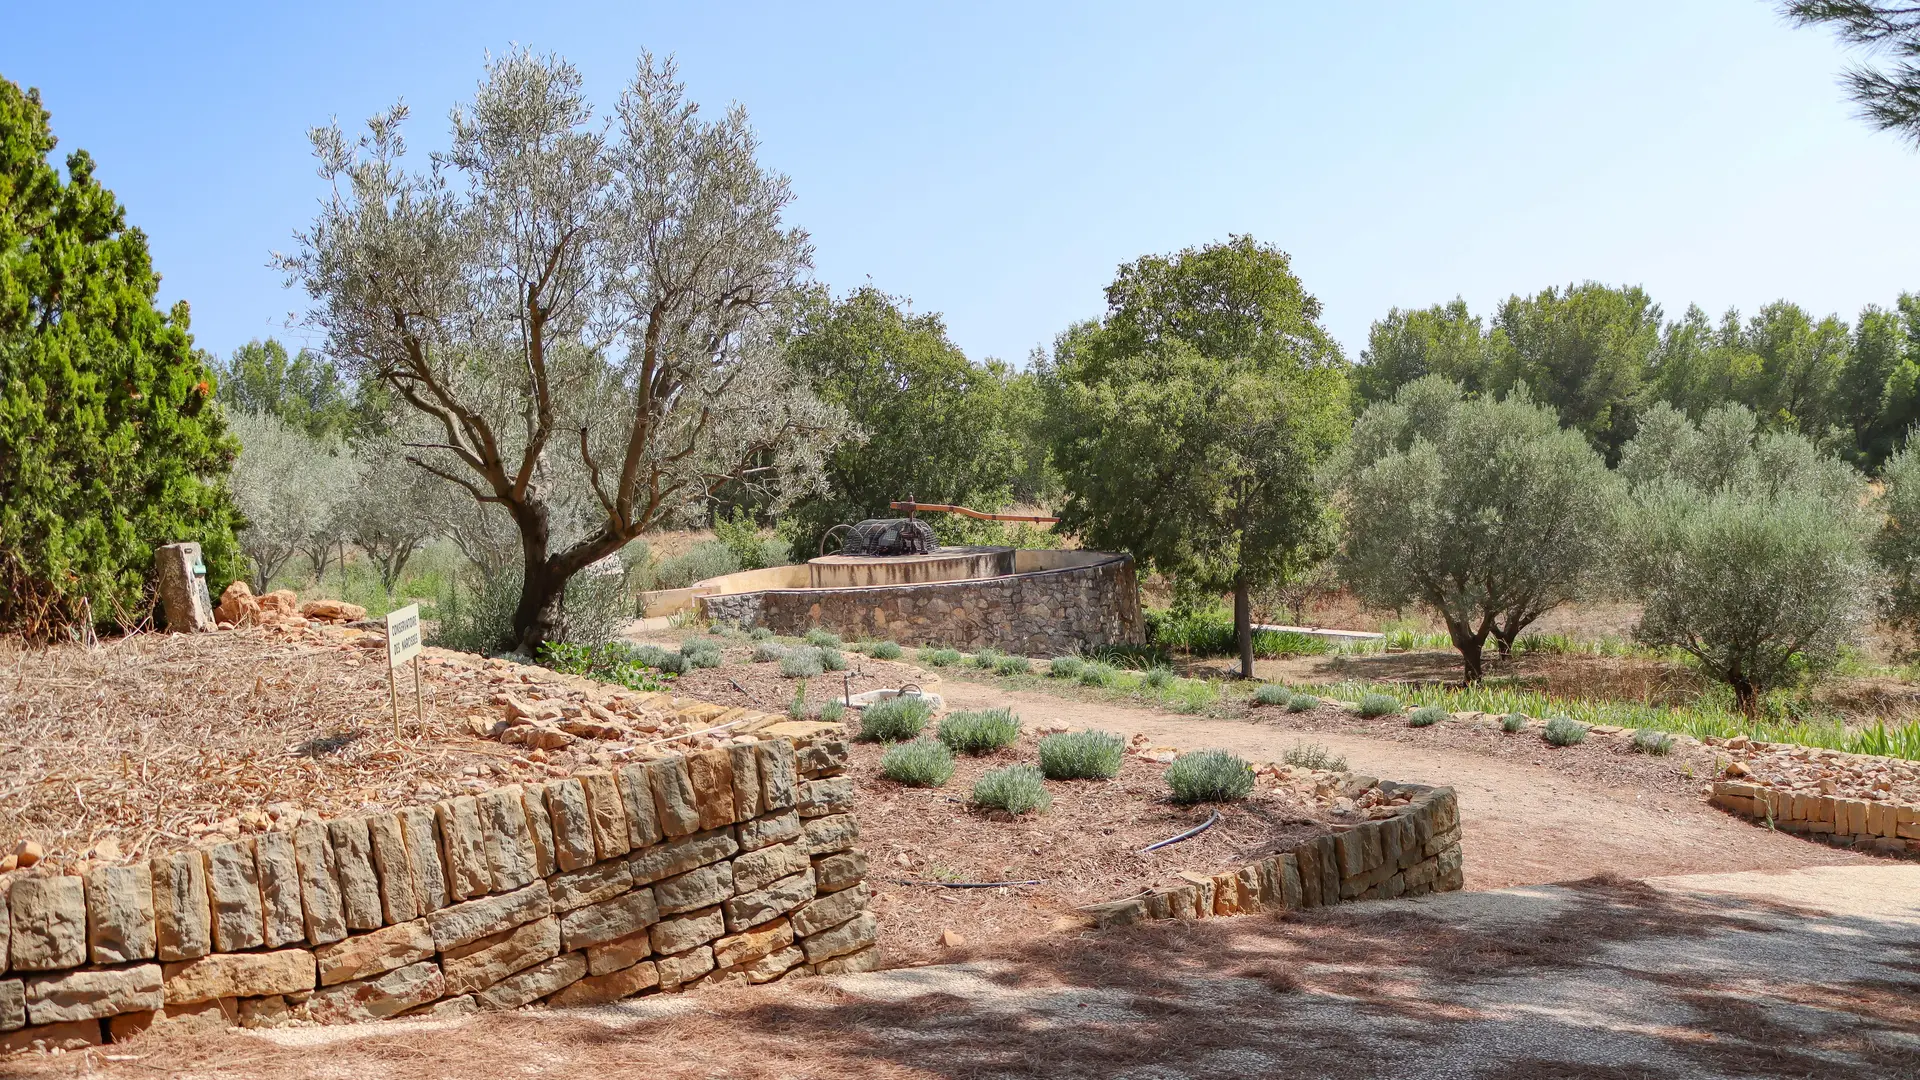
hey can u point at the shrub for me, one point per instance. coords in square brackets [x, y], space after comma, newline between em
[1065, 667]
[1658, 743]
[616, 663]
[1082, 755]
[884, 650]
[656, 657]
[1371, 705]
[1015, 789]
[1564, 732]
[1012, 665]
[760, 633]
[1513, 722]
[741, 534]
[702, 653]
[940, 657]
[1272, 694]
[823, 638]
[768, 651]
[1157, 677]
[1210, 776]
[832, 711]
[980, 732]
[894, 719]
[797, 708]
[1098, 674]
[922, 762]
[1314, 756]
[1303, 703]
[1426, 716]
[802, 664]
[987, 659]
[702, 561]
[830, 658]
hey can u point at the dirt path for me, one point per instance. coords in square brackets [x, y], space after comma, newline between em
[1524, 824]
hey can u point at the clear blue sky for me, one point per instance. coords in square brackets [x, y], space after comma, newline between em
[995, 162]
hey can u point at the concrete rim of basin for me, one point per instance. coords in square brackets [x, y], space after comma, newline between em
[871, 697]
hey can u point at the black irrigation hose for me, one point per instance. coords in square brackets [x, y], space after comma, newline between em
[1188, 835]
[962, 884]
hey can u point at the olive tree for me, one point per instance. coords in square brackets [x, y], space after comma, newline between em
[1898, 544]
[288, 484]
[1750, 552]
[1483, 510]
[571, 301]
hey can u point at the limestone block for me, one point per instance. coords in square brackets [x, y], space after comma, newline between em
[6, 918]
[774, 829]
[611, 986]
[615, 955]
[826, 835]
[1445, 809]
[182, 921]
[72, 1035]
[683, 932]
[609, 920]
[746, 781]
[681, 855]
[120, 914]
[867, 959]
[394, 867]
[835, 908]
[274, 1011]
[606, 814]
[475, 919]
[364, 955]
[233, 891]
[199, 1017]
[531, 985]
[48, 919]
[699, 888]
[420, 830]
[509, 843]
[1289, 897]
[772, 966]
[818, 798]
[1349, 850]
[758, 869]
[452, 1008]
[773, 759]
[751, 945]
[824, 757]
[319, 888]
[465, 847]
[572, 825]
[674, 803]
[225, 975]
[1328, 869]
[831, 873]
[353, 862]
[283, 920]
[479, 964]
[590, 885]
[1226, 893]
[183, 593]
[372, 999]
[675, 970]
[91, 994]
[533, 803]
[851, 936]
[711, 772]
[13, 1005]
[751, 909]
[636, 796]
[1450, 874]
[1440, 842]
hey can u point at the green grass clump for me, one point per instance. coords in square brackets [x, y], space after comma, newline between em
[1426, 716]
[1015, 789]
[1082, 755]
[760, 633]
[1303, 703]
[940, 657]
[1012, 665]
[1657, 743]
[884, 650]
[986, 659]
[802, 664]
[921, 762]
[1272, 693]
[895, 719]
[1157, 678]
[1314, 756]
[702, 652]
[825, 638]
[1210, 776]
[1371, 705]
[1512, 722]
[1065, 667]
[980, 732]
[1564, 732]
[1098, 674]
[831, 659]
[768, 651]
[832, 711]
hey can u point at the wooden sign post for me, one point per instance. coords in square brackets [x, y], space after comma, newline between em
[403, 644]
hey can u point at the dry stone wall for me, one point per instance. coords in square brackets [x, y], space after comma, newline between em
[732, 865]
[1414, 852]
[1889, 828]
[1043, 613]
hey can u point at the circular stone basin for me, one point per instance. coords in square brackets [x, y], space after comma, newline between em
[874, 697]
[946, 564]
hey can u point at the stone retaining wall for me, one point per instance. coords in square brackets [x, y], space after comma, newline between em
[1042, 613]
[1412, 853]
[729, 865]
[1866, 824]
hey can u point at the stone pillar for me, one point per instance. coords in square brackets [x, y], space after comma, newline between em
[181, 577]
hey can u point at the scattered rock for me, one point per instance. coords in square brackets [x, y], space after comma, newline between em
[951, 940]
[28, 852]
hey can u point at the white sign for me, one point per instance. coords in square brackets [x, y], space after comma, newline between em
[403, 635]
